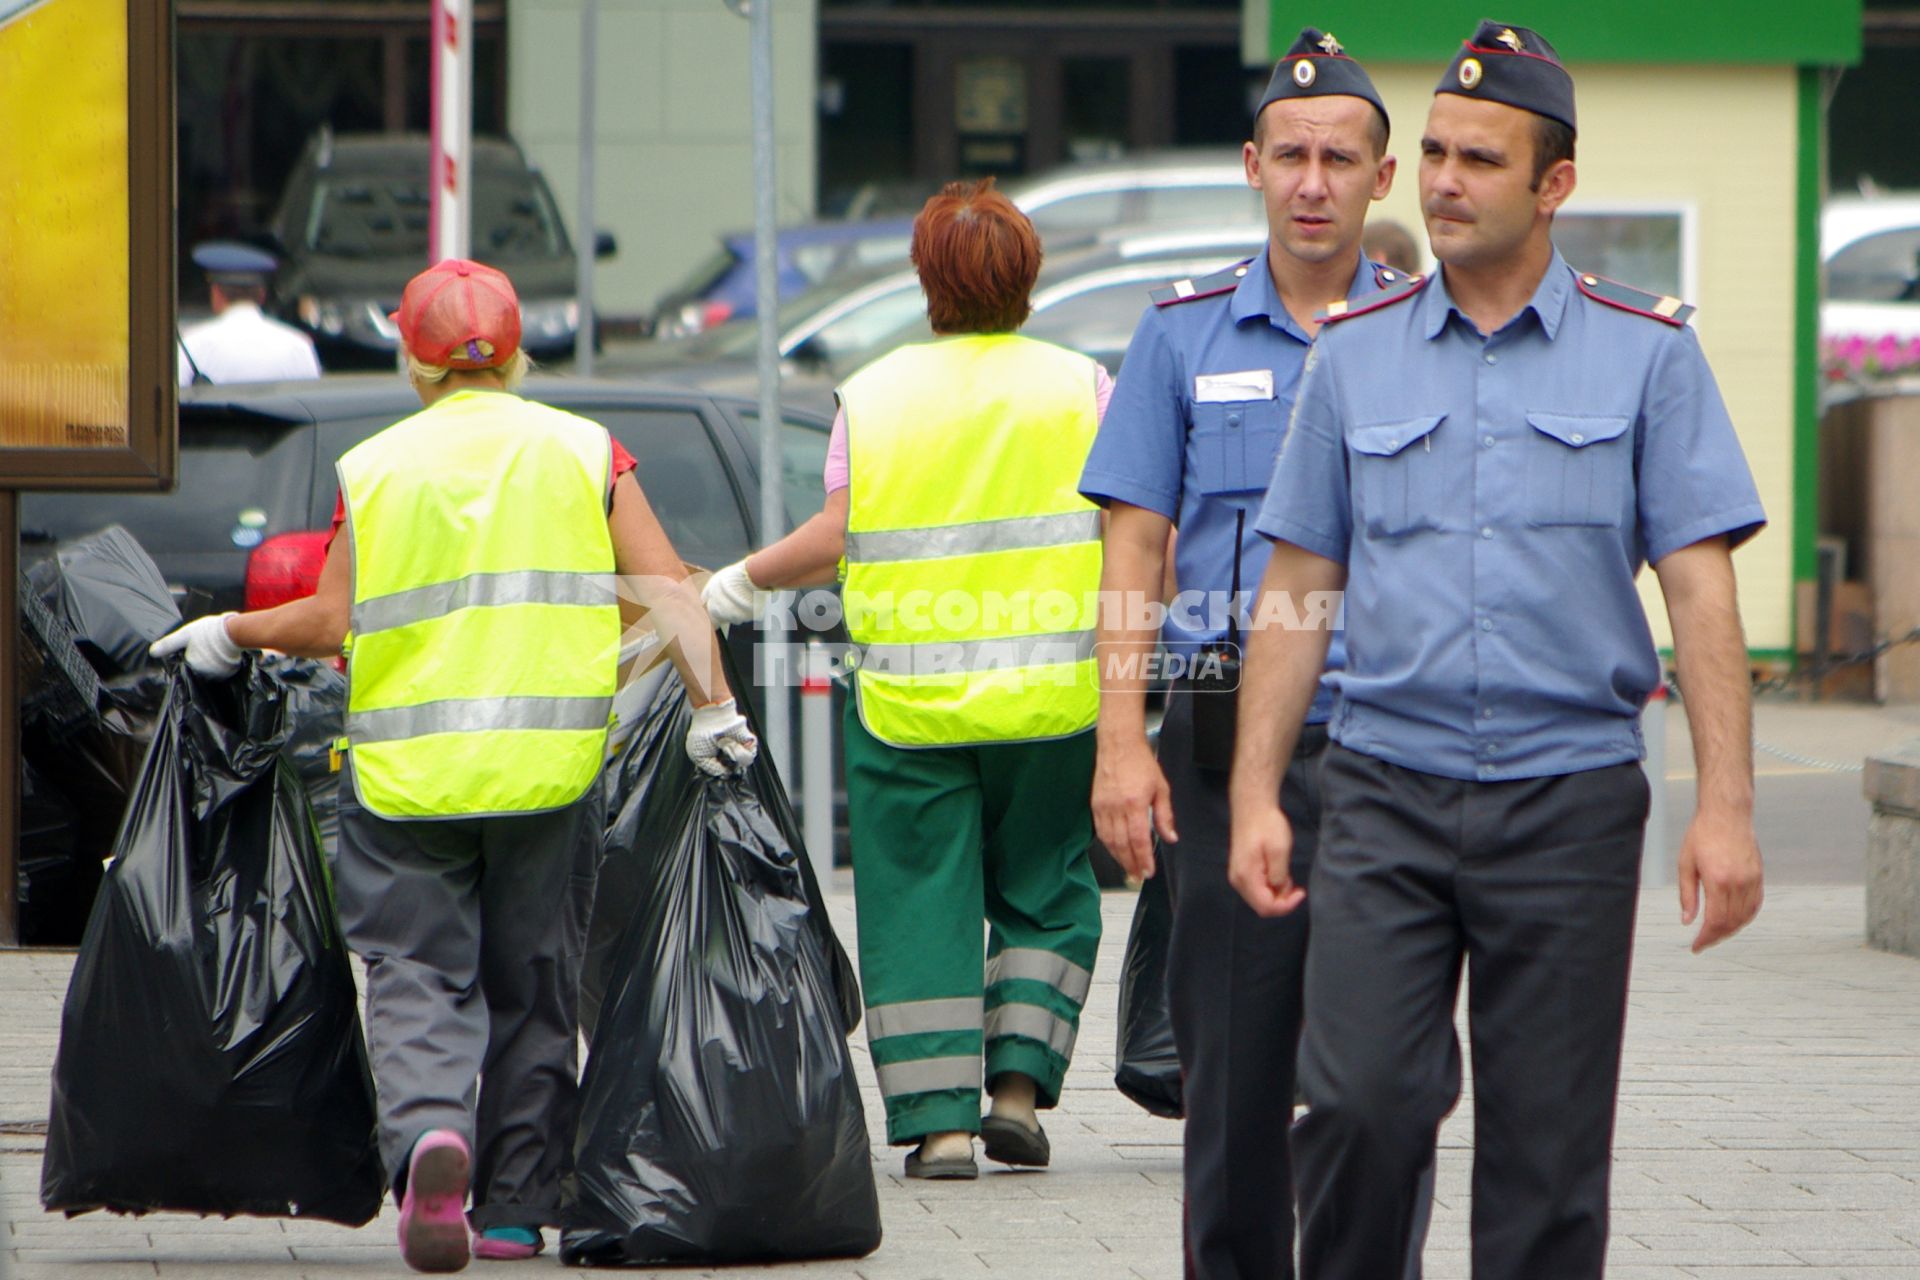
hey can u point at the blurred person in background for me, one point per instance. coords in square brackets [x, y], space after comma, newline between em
[1196, 422]
[241, 343]
[951, 479]
[1391, 245]
[477, 578]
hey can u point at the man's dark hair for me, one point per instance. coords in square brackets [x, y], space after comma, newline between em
[1376, 130]
[1552, 143]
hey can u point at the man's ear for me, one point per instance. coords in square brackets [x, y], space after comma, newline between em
[1556, 186]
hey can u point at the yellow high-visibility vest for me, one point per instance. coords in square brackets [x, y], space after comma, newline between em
[485, 630]
[972, 561]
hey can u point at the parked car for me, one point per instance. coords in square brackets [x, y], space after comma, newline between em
[725, 285]
[1871, 247]
[1087, 298]
[1156, 188]
[351, 230]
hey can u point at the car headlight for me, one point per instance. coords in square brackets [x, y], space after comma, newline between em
[550, 320]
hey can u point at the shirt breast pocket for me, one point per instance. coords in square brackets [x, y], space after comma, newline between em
[1397, 477]
[1234, 444]
[1578, 470]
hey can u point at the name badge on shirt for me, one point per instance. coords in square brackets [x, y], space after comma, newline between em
[1248, 384]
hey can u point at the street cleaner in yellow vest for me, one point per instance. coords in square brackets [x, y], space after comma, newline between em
[971, 564]
[478, 579]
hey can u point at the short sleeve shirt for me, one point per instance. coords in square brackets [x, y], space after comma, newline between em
[1493, 502]
[1196, 421]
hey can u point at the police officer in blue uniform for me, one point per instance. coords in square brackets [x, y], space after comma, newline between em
[1486, 510]
[1189, 440]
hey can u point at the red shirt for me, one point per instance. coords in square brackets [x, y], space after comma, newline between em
[623, 462]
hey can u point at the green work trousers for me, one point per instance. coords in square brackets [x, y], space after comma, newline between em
[944, 837]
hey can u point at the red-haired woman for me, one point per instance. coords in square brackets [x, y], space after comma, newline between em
[971, 564]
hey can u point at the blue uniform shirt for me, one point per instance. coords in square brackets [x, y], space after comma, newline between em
[1192, 431]
[1493, 500]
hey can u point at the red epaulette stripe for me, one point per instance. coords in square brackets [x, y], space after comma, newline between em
[1678, 319]
[1198, 293]
[1414, 285]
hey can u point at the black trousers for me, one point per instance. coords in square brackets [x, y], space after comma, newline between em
[1233, 988]
[1533, 885]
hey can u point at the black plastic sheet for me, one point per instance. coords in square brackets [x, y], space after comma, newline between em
[210, 1051]
[110, 593]
[720, 1119]
[1147, 1066]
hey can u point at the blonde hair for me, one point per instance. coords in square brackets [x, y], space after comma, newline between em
[513, 372]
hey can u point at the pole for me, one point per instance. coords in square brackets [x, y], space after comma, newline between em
[816, 752]
[448, 225]
[1656, 861]
[583, 222]
[767, 304]
[9, 719]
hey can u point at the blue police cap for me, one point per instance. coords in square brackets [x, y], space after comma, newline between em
[1317, 67]
[232, 260]
[1515, 66]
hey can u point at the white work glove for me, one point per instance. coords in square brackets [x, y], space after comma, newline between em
[210, 650]
[718, 740]
[729, 595]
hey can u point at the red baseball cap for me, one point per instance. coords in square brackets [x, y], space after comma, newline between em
[460, 313]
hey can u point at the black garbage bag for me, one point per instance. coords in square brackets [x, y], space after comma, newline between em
[1146, 1064]
[720, 1121]
[317, 712]
[108, 590]
[210, 1051]
[653, 761]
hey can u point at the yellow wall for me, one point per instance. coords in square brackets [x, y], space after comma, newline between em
[1724, 140]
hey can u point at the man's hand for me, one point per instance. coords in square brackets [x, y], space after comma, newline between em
[719, 741]
[1721, 858]
[1128, 785]
[729, 595]
[209, 650]
[1260, 860]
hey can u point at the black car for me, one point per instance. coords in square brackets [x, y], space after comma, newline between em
[351, 230]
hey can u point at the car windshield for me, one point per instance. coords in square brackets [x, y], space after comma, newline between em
[1878, 268]
[385, 215]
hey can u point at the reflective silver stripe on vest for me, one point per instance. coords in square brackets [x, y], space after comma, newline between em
[1033, 1022]
[925, 1075]
[527, 586]
[952, 657]
[1058, 972]
[477, 715]
[1018, 533]
[923, 1017]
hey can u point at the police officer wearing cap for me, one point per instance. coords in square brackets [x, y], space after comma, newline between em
[1486, 509]
[241, 343]
[1189, 441]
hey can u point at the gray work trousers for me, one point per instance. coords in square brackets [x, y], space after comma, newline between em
[1234, 992]
[472, 930]
[1532, 886]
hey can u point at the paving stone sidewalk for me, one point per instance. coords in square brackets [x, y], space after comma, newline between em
[1769, 1126]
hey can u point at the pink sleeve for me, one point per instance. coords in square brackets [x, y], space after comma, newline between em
[835, 474]
[1102, 391]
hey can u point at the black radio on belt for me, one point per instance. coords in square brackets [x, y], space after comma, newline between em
[1215, 682]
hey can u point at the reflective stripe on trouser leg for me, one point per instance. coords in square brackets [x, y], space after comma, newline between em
[915, 828]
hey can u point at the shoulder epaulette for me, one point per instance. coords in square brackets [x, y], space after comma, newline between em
[1385, 276]
[1403, 287]
[1223, 281]
[1654, 306]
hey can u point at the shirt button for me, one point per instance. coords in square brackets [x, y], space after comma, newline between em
[1488, 441]
[1578, 438]
[1490, 358]
[1486, 624]
[1233, 419]
[1486, 532]
[1486, 713]
[1486, 771]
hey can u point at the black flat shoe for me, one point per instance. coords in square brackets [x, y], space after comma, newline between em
[1010, 1142]
[948, 1168]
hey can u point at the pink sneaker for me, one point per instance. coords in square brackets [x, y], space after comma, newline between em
[433, 1220]
[507, 1245]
